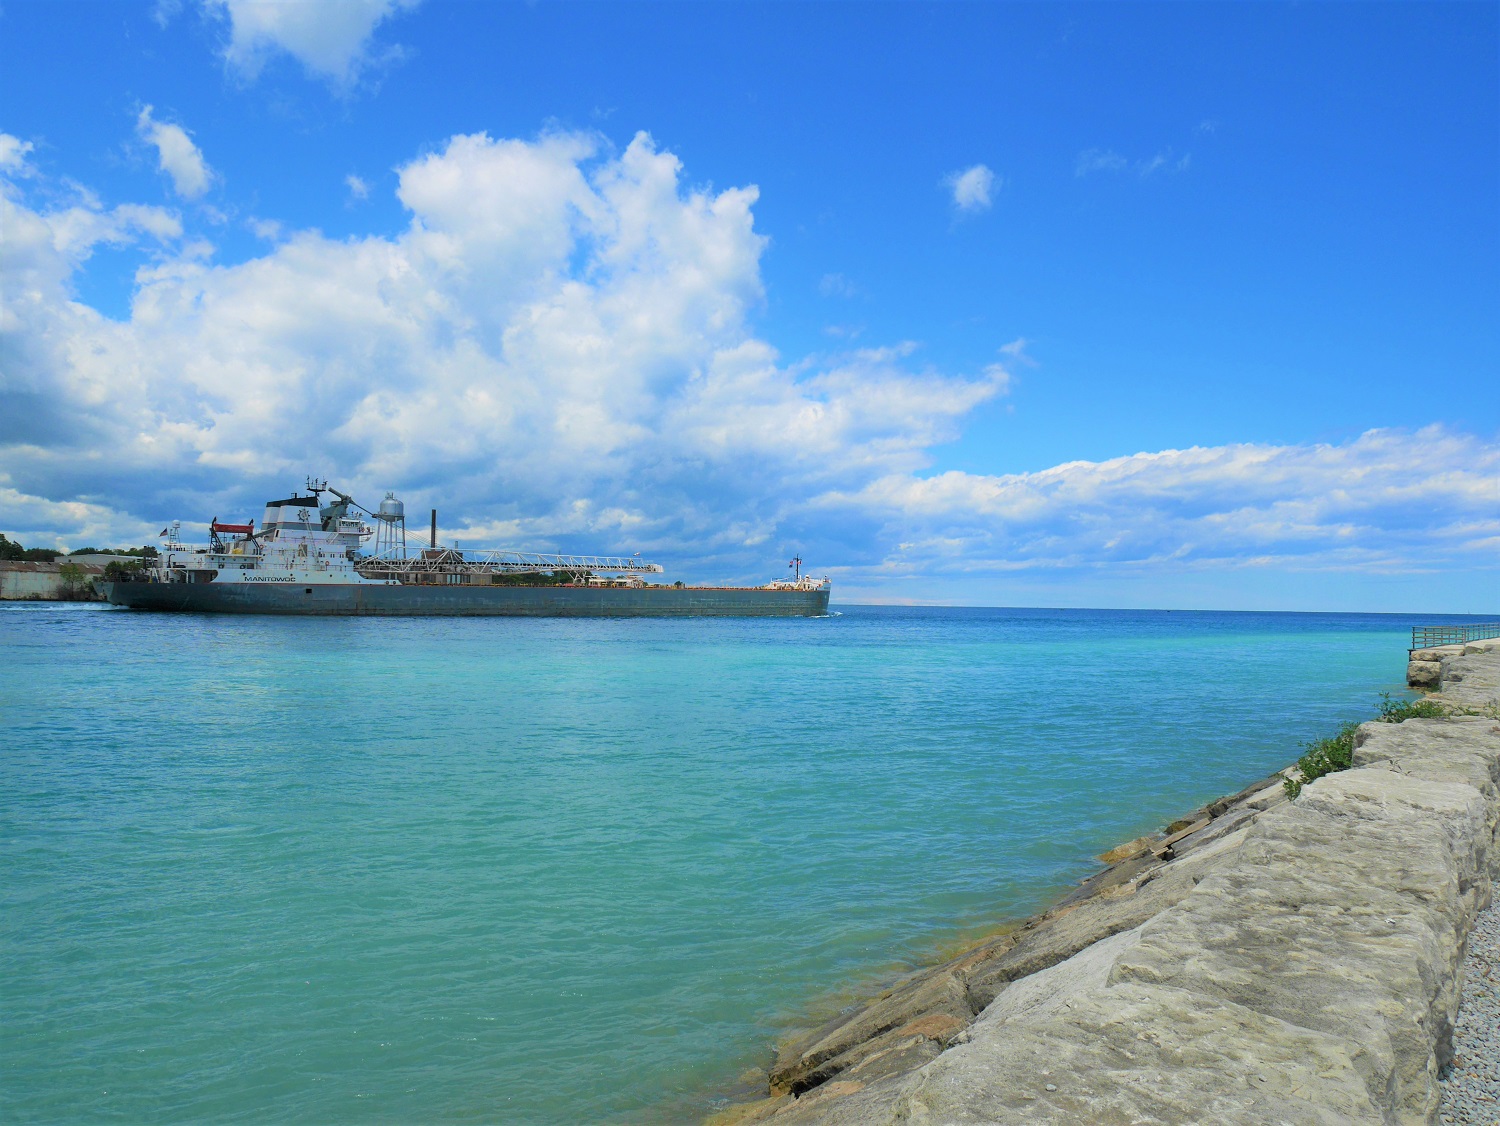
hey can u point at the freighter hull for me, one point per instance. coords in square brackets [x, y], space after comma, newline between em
[469, 601]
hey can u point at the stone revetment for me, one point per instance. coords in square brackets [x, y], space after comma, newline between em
[1271, 961]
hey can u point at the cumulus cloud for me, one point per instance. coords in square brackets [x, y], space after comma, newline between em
[176, 155]
[332, 40]
[358, 189]
[971, 188]
[558, 351]
[558, 344]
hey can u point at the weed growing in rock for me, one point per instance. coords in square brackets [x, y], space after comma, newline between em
[1394, 711]
[1326, 756]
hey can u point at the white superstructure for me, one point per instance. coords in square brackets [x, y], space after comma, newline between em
[300, 541]
[303, 541]
[802, 582]
[799, 581]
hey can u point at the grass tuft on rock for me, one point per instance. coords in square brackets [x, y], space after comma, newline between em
[1395, 711]
[1325, 756]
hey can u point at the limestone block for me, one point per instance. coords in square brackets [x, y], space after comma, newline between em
[1459, 749]
[1471, 681]
[1436, 653]
[1136, 1053]
[879, 1026]
[1128, 849]
[1423, 674]
[1342, 914]
[1065, 1046]
[1066, 934]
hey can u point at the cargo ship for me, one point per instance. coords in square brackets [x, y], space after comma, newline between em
[340, 558]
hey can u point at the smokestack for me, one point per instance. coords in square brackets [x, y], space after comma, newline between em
[434, 529]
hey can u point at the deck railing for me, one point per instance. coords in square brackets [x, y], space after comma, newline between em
[1425, 637]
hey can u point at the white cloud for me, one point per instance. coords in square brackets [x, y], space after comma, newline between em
[1098, 160]
[971, 188]
[1016, 351]
[176, 155]
[557, 344]
[330, 38]
[558, 351]
[359, 191]
[836, 285]
[1107, 160]
[268, 229]
[1389, 501]
[13, 153]
[1155, 163]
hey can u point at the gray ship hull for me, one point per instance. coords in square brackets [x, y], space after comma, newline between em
[469, 601]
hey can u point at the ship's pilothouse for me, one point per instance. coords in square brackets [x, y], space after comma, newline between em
[803, 582]
[799, 581]
[301, 540]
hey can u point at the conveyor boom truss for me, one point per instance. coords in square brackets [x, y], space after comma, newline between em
[450, 562]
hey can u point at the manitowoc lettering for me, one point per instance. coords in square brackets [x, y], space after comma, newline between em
[309, 557]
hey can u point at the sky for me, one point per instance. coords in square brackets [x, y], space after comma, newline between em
[1176, 306]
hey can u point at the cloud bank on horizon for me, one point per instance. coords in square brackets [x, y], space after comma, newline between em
[559, 345]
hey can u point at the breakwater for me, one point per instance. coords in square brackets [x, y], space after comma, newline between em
[1266, 960]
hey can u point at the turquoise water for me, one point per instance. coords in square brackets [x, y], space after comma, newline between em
[338, 871]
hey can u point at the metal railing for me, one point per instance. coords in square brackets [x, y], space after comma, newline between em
[1425, 637]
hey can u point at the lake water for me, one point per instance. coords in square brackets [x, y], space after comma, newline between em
[507, 870]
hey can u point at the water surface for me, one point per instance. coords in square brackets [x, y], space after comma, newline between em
[486, 870]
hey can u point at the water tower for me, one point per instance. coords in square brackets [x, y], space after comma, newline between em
[390, 528]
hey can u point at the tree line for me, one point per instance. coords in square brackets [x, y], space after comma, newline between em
[11, 551]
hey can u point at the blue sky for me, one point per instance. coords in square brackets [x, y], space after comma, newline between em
[1177, 305]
